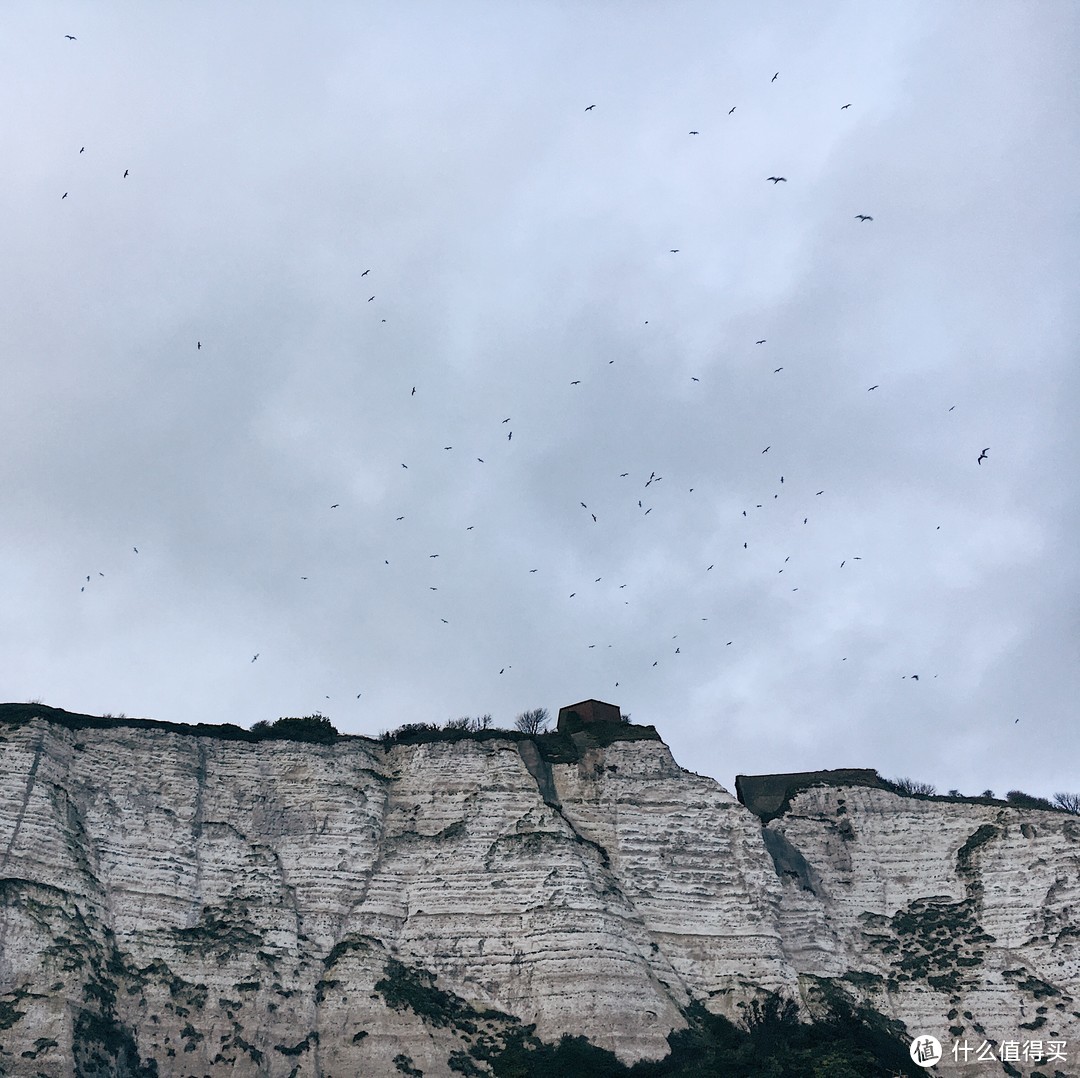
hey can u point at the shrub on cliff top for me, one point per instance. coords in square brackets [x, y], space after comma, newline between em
[913, 788]
[316, 728]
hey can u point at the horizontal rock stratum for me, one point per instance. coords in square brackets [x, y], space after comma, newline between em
[185, 901]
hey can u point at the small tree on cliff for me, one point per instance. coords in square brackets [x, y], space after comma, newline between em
[1068, 802]
[532, 722]
[913, 788]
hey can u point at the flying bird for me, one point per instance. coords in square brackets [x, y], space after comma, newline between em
[695, 132]
[982, 455]
[693, 379]
[674, 250]
[863, 217]
[759, 342]
[63, 196]
[778, 370]
[399, 518]
[125, 174]
[198, 346]
[335, 505]
[82, 149]
[775, 77]
[731, 110]
[413, 393]
[370, 298]
[847, 106]
[70, 38]
[136, 549]
[872, 388]
[405, 466]
[507, 419]
[777, 179]
[255, 656]
[509, 435]
[577, 383]
[590, 107]
[766, 449]
[365, 273]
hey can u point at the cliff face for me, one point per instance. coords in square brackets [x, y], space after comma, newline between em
[175, 904]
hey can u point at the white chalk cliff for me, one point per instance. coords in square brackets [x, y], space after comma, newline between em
[175, 903]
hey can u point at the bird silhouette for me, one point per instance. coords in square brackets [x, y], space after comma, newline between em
[510, 434]
[777, 179]
[82, 149]
[370, 298]
[693, 379]
[507, 419]
[863, 217]
[136, 549]
[872, 388]
[775, 77]
[695, 132]
[674, 250]
[255, 656]
[125, 174]
[590, 107]
[413, 393]
[70, 37]
[365, 273]
[766, 449]
[778, 370]
[335, 505]
[198, 346]
[63, 196]
[577, 383]
[847, 106]
[982, 455]
[731, 110]
[405, 466]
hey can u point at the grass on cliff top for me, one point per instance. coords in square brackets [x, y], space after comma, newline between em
[555, 746]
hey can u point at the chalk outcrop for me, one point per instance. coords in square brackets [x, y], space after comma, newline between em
[177, 903]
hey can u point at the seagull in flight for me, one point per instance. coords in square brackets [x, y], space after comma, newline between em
[731, 110]
[590, 107]
[766, 449]
[413, 393]
[577, 383]
[674, 250]
[871, 388]
[335, 505]
[775, 77]
[863, 217]
[365, 273]
[778, 370]
[695, 132]
[125, 174]
[82, 149]
[370, 299]
[777, 179]
[70, 37]
[198, 346]
[847, 106]
[255, 656]
[63, 196]
[982, 455]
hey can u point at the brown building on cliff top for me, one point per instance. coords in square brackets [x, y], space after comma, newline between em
[589, 711]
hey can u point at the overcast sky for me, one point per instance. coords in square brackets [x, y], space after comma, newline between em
[284, 165]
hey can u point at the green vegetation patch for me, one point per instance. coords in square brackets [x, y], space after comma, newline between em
[933, 941]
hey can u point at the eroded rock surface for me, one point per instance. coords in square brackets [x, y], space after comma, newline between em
[175, 904]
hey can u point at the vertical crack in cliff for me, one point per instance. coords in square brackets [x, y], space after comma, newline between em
[540, 770]
[38, 750]
[196, 833]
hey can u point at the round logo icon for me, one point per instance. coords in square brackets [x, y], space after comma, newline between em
[925, 1050]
